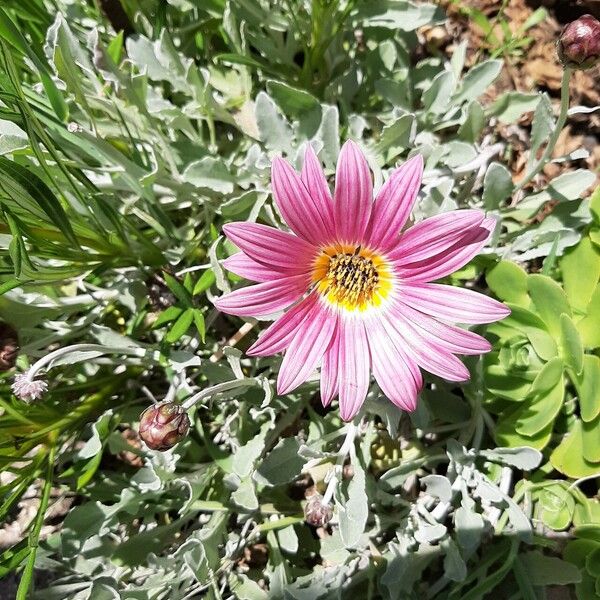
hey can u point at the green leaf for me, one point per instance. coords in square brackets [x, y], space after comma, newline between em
[523, 458]
[564, 188]
[590, 435]
[509, 282]
[534, 328]
[437, 96]
[397, 135]
[292, 100]
[589, 326]
[10, 33]
[474, 122]
[245, 495]
[469, 526]
[556, 506]
[570, 342]
[245, 456]
[438, 486]
[550, 300]
[548, 376]
[511, 106]
[455, 568]
[507, 435]
[592, 563]
[211, 173]
[580, 268]
[545, 570]
[533, 19]
[188, 282]
[42, 195]
[403, 15]
[180, 327]
[353, 511]
[179, 290]
[207, 279]
[477, 80]
[282, 465]
[542, 125]
[497, 186]
[274, 129]
[595, 206]
[245, 588]
[588, 385]
[11, 558]
[200, 325]
[134, 550]
[166, 316]
[542, 411]
[115, 48]
[568, 457]
[578, 550]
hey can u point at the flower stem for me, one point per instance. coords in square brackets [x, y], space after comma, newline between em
[562, 117]
[34, 536]
[215, 389]
[46, 360]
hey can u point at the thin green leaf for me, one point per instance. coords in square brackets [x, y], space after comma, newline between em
[42, 195]
[180, 326]
[179, 290]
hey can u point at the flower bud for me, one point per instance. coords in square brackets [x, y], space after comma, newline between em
[163, 425]
[9, 347]
[579, 43]
[316, 512]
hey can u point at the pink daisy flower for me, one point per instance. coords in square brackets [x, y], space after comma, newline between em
[357, 290]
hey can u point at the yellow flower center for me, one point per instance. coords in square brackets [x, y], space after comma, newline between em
[353, 278]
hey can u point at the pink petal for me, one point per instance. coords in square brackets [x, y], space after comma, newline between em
[453, 339]
[353, 366]
[353, 196]
[451, 258]
[245, 267]
[314, 179]
[453, 303]
[434, 235]
[306, 350]
[394, 203]
[397, 375]
[264, 298]
[276, 249]
[428, 355]
[329, 370]
[301, 211]
[277, 337]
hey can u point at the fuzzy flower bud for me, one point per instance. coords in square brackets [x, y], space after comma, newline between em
[163, 425]
[28, 389]
[9, 347]
[579, 43]
[317, 512]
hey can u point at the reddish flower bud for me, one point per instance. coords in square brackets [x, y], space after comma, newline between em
[579, 43]
[163, 425]
[9, 347]
[316, 512]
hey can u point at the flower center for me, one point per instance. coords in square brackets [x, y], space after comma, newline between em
[353, 278]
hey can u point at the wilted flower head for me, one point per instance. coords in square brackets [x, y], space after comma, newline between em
[579, 43]
[9, 347]
[163, 425]
[359, 292]
[317, 512]
[28, 389]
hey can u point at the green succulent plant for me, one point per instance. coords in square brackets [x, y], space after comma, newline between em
[543, 377]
